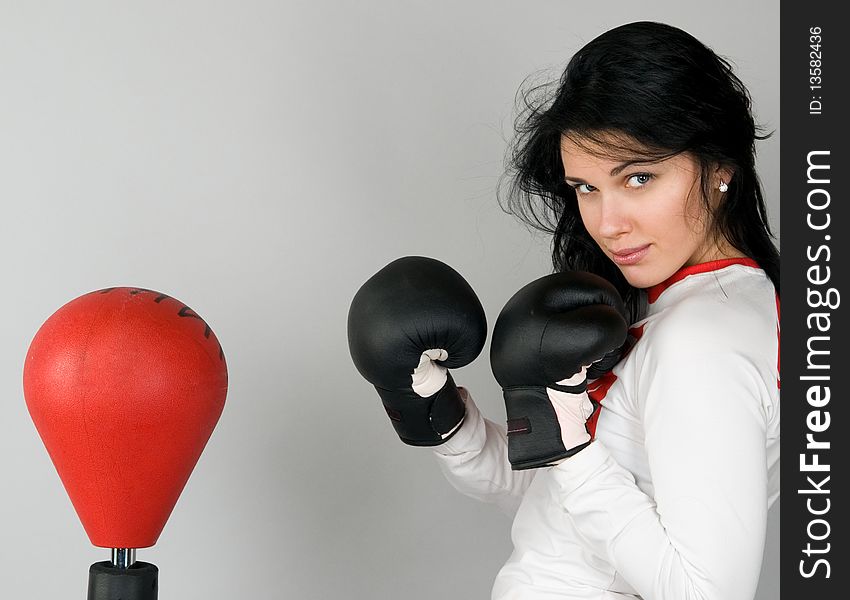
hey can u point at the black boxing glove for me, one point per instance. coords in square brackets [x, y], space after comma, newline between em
[407, 325]
[544, 340]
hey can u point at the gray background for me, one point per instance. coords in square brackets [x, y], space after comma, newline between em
[260, 160]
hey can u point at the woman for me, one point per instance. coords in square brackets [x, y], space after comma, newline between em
[642, 167]
[643, 163]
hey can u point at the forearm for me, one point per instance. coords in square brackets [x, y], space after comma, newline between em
[475, 461]
[699, 550]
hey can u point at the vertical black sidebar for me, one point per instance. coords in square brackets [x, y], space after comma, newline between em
[815, 57]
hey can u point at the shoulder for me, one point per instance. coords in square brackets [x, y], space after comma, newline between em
[729, 310]
[717, 339]
[711, 349]
[719, 322]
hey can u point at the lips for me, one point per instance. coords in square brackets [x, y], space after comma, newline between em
[630, 256]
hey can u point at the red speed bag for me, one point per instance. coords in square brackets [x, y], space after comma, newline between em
[125, 386]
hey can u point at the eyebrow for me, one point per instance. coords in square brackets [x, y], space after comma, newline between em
[616, 170]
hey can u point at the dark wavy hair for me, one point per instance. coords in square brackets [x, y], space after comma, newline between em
[643, 91]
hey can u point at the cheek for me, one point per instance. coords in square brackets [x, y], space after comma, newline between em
[691, 207]
[680, 216]
[696, 218]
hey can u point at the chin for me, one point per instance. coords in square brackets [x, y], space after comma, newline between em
[641, 278]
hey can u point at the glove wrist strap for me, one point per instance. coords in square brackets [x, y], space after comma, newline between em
[534, 433]
[424, 421]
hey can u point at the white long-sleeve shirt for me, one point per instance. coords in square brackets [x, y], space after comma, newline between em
[670, 501]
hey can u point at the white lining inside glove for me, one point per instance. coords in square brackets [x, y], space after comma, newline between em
[572, 410]
[428, 377]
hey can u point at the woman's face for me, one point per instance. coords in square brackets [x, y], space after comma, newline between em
[648, 218]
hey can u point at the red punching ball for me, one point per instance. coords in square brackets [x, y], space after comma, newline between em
[125, 386]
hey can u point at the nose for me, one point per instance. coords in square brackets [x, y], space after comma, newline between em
[614, 217]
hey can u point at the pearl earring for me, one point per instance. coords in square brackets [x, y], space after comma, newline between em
[723, 186]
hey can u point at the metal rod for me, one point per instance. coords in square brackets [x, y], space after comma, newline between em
[123, 558]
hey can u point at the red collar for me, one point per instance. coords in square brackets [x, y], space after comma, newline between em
[656, 290]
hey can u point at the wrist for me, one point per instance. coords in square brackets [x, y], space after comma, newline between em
[468, 435]
[426, 421]
[574, 473]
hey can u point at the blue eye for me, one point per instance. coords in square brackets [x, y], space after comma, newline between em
[640, 179]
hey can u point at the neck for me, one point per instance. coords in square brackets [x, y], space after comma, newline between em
[718, 250]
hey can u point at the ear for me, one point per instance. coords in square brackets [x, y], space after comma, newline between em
[723, 174]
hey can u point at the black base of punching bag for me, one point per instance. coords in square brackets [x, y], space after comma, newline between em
[108, 582]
